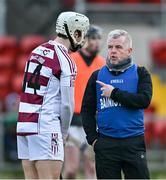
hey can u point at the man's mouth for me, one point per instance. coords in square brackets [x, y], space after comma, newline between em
[113, 57]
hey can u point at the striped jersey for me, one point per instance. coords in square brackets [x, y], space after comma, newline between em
[48, 68]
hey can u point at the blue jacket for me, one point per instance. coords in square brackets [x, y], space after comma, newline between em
[114, 119]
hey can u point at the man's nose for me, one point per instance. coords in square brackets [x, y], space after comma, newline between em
[113, 50]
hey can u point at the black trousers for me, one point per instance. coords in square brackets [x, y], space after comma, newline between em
[114, 156]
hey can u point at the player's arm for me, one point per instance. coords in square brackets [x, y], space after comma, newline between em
[67, 78]
[88, 110]
[67, 108]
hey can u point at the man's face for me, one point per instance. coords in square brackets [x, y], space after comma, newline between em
[77, 36]
[118, 49]
[93, 45]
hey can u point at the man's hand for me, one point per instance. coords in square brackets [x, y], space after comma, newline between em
[94, 143]
[106, 89]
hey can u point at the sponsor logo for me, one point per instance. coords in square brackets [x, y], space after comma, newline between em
[108, 102]
[46, 51]
[54, 143]
[113, 81]
[43, 51]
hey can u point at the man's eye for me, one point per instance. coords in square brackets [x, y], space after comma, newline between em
[119, 47]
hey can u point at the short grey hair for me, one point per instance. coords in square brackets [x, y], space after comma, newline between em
[120, 32]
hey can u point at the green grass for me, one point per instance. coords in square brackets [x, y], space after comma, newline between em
[11, 175]
[19, 175]
[158, 175]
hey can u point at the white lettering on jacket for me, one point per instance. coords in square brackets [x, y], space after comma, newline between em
[108, 102]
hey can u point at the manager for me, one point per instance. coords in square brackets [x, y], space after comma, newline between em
[113, 112]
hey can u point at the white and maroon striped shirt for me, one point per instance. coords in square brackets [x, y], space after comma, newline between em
[48, 69]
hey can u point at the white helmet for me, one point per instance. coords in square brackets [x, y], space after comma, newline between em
[70, 22]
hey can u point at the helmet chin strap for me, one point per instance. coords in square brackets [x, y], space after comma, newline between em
[73, 46]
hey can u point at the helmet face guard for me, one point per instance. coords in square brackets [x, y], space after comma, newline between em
[74, 47]
[70, 22]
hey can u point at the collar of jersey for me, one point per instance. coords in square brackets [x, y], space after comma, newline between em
[55, 43]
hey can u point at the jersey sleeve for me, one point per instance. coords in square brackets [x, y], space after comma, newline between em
[67, 79]
[68, 74]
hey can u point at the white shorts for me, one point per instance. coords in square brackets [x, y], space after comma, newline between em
[47, 146]
[77, 136]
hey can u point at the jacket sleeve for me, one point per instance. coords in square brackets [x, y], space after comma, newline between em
[142, 98]
[88, 110]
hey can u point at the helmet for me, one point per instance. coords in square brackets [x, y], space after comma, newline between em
[70, 22]
[94, 32]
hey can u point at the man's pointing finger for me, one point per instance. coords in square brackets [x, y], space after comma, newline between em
[100, 83]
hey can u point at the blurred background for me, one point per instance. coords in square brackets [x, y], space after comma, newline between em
[26, 24]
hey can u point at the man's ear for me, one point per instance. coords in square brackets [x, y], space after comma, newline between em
[130, 51]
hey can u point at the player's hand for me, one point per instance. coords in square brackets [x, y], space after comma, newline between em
[105, 88]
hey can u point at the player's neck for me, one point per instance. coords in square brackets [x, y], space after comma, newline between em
[62, 41]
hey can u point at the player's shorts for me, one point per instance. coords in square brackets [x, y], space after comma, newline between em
[77, 136]
[47, 146]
